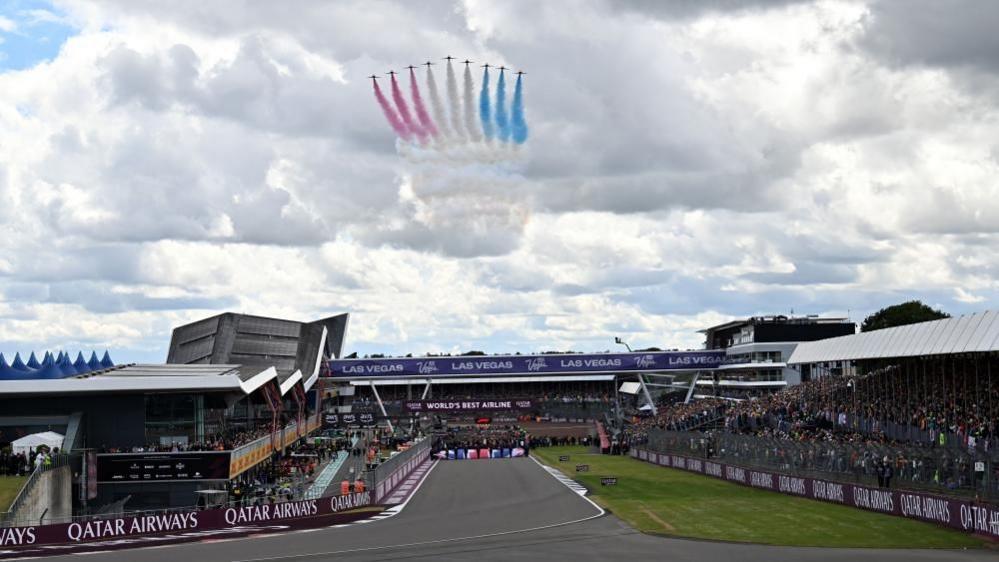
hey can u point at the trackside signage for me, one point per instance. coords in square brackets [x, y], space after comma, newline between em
[528, 364]
[188, 523]
[466, 405]
[964, 515]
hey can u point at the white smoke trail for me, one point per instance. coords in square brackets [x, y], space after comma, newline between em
[437, 107]
[454, 103]
[471, 116]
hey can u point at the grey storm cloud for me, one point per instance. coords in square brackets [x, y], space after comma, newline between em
[957, 33]
[687, 9]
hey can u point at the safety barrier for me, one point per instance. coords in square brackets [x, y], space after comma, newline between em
[179, 526]
[390, 473]
[963, 515]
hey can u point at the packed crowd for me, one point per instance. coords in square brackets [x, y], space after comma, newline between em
[562, 441]
[20, 464]
[798, 412]
[676, 416]
[464, 437]
[880, 407]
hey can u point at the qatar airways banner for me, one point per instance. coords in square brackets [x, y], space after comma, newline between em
[963, 515]
[528, 364]
[185, 525]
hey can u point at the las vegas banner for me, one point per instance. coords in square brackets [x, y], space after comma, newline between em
[528, 364]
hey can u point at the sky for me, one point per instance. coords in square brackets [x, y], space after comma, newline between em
[689, 162]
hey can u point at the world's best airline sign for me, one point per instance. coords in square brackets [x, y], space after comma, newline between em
[554, 364]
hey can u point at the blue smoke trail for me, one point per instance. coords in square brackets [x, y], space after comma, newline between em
[519, 125]
[485, 113]
[502, 123]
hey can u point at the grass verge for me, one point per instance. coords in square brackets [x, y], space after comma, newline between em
[667, 501]
[9, 487]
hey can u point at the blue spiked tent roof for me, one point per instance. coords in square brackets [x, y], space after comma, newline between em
[16, 370]
[52, 366]
[49, 370]
[17, 364]
[66, 366]
[81, 364]
[94, 363]
[6, 373]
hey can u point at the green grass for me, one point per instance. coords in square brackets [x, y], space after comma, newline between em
[674, 502]
[9, 487]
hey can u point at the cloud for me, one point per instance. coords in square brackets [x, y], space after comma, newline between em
[690, 9]
[959, 34]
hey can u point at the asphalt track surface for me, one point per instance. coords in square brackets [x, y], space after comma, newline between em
[507, 509]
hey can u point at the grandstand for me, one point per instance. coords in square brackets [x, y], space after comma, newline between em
[236, 395]
[913, 406]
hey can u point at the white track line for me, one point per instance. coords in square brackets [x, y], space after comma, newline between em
[600, 513]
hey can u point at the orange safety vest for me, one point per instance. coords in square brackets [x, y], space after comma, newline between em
[344, 487]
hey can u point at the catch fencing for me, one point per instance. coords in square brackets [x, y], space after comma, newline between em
[940, 470]
[384, 477]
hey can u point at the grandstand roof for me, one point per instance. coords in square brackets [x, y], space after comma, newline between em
[149, 378]
[977, 332]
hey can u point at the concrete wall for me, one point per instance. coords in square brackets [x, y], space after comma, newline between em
[49, 500]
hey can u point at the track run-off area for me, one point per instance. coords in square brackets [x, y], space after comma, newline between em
[498, 509]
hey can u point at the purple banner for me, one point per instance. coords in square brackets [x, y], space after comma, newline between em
[186, 525]
[963, 515]
[467, 405]
[528, 364]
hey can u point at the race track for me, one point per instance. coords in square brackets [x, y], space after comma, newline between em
[495, 510]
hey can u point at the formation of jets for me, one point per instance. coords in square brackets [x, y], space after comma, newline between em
[448, 58]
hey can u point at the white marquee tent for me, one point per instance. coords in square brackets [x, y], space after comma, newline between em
[31, 442]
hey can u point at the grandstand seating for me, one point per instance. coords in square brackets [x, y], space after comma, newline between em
[933, 421]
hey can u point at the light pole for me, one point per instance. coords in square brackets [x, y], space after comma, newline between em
[617, 397]
[619, 341]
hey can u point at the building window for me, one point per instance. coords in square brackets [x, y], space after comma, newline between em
[171, 418]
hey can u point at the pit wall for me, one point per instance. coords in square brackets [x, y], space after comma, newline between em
[963, 515]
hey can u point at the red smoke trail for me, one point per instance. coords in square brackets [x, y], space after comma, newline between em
[421, 111]
[400, 104]
[398, 126]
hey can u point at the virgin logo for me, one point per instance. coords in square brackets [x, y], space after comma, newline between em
[645, 361]
[536, 364]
